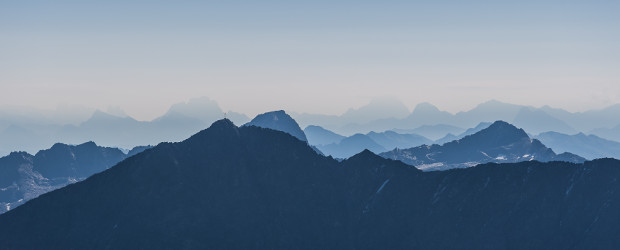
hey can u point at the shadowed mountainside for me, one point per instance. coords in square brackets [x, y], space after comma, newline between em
[250, 187]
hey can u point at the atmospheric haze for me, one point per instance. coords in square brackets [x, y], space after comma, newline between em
[308, 57]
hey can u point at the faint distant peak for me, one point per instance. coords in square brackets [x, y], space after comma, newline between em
[425, 107]
[116, 111]
[100, 115]
[495, 104]
[377, 109]
[201, 108]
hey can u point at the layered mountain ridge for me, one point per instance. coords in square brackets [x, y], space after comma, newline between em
[252, 187]
[501, 142]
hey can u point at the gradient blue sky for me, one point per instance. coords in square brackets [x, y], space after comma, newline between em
[308, 56]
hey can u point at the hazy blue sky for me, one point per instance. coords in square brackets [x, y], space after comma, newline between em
[308, 56]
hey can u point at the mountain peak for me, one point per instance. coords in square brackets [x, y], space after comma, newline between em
[223, 128]
[502, 125]
[425, 107]
[224, 125]
[502, 132]
[365, 155]
[278, 120]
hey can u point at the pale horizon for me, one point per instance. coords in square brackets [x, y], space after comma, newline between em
[312, 57]
[77, 109]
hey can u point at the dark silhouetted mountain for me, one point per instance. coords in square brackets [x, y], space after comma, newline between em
[588, 146]
[278, 120]
[608, 133]
[501, 142]
[538, 121]
[256, 188]
[391, 139]
[350, 146]
[319, 136]
[24, 176]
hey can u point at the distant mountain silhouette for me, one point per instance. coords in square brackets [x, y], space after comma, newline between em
[350, 146]
[376, 109]
[588, 146]
[18, 138]
[588, 120]
[24, 133]
[448, 138]
[24, 176]
[427, 114]
[138, 149]
[432, 132]
[470, 131]
[534, 120]
[538, 121]
[27, 129]
[489, 111]
[355, 120]
[391, 139]
[501, 142]
[343, 147]
[319, 136]
[256, 188]
[608, 133]
[278, 120]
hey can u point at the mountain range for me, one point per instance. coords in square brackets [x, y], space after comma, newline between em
[23, 129]
[588, 146]
[532, 119]
[24, 176]
[111, 130]
[255, 188]
[501, 142]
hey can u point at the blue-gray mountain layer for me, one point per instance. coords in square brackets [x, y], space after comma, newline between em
[501, 143]
[256, 188]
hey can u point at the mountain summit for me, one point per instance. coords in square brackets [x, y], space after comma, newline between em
[501, 142]
[278, 120]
